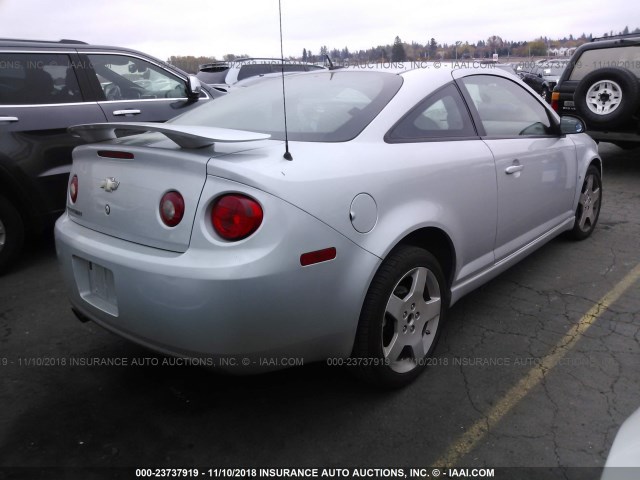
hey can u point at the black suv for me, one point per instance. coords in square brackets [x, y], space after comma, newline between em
[46, 87]
[601, 85]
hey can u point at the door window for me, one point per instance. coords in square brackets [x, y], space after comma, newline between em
[123, 77]
[506, 109]
[35, 78]
[253, 70]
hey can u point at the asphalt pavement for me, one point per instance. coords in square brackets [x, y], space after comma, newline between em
[536, 369]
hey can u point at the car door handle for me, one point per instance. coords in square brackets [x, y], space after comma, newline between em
[8, 119]
[516, 167]
[120, 113]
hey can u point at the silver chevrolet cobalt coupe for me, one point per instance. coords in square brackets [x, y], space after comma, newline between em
[206, 237]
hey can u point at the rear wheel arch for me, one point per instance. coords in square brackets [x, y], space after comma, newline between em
[439, 244]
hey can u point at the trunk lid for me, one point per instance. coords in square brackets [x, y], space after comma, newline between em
[121, 183]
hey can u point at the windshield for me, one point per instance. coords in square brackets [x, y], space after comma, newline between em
[553, 69]
[321, 107]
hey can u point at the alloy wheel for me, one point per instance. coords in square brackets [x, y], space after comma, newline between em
[589, 203]
[411, 319]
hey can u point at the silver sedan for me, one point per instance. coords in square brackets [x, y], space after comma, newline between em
[222, 235]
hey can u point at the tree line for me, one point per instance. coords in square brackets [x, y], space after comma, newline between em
[401, 51]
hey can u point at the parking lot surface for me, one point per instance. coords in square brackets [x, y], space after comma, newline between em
[538, 368]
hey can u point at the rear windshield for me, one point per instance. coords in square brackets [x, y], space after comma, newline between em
[321, 107]
[213, 75]
[552, 69]
[622, 57]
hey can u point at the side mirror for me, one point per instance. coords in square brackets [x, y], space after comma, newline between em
[194, 87]
[570, 125]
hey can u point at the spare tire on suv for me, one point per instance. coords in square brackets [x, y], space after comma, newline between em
[607, 96]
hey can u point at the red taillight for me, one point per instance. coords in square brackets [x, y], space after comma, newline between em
[73, 189]
[555, 101]
[236, 216]
[171, 208]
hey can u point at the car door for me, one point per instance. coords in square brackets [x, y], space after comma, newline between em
[536, 166]
[40, 96]
[451, 168]
[132, 88]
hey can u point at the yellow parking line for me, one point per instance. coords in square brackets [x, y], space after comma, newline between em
[479, 430]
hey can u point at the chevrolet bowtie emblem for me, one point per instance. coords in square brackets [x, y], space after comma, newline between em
[109, 184]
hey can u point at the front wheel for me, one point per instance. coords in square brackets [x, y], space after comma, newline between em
[401, 318]
[589, 204]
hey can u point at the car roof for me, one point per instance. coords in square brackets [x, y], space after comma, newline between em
[79, 45]
[71, 44]
[44, 43]
[626, 37]
[608, 42]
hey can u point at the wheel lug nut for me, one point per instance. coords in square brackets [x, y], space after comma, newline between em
[417, 315]
[404, 315]
[404, 329]
[413, 328]
[413, 306]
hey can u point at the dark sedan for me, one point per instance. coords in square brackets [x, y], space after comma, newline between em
[542, 76]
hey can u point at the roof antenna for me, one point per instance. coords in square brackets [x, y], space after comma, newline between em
[287, 155]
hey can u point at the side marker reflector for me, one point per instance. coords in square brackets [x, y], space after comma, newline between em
[318, 256]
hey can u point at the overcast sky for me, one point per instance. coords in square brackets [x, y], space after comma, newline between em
[213, 28]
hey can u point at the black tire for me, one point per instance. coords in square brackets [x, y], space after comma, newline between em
[589, 205]
[11, 234]
[617, 91]
[391, 351]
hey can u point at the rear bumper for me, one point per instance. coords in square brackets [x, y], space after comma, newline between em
[256, 308]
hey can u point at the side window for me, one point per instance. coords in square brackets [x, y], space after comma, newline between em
[253, 69]
[129, 78]
[289, 67]
[34, 78]
[441, 115]
[506, 109]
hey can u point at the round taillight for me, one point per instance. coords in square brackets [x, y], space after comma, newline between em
[171, 208]
[236, 216]
[73, 189]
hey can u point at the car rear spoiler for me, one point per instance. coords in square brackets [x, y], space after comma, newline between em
[186, 136]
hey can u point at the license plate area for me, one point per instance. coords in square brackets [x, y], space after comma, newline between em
[96, 285]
